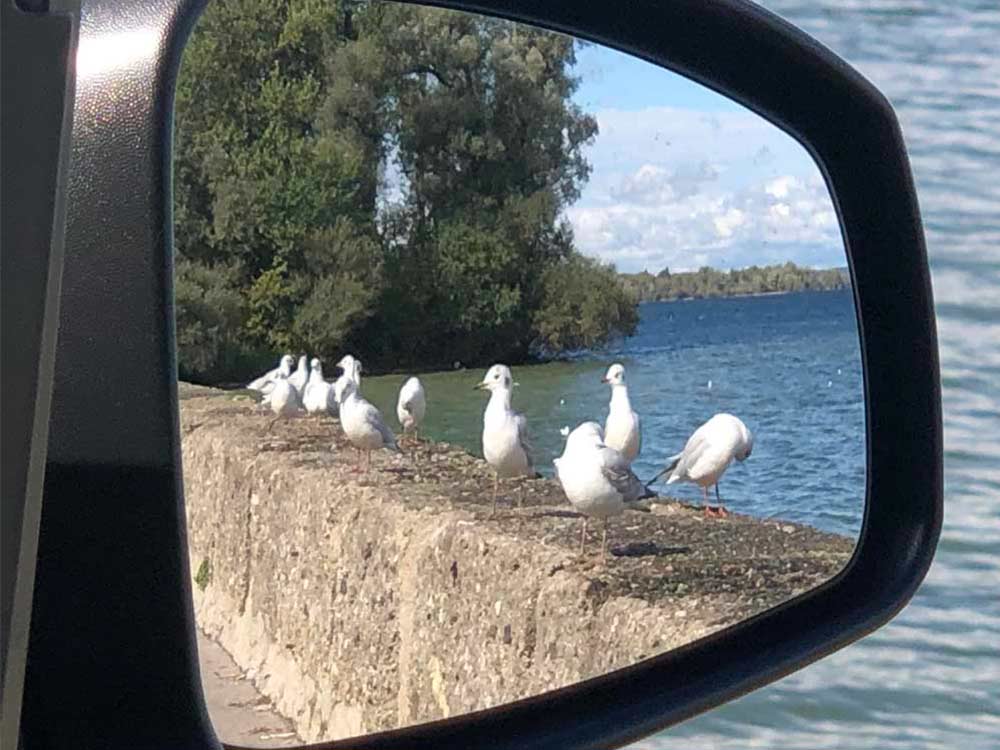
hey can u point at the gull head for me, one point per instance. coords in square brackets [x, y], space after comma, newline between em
[350, 366]
[314, 363]
[615, 375]
[746, 446]
[287, 362]
[497, 378]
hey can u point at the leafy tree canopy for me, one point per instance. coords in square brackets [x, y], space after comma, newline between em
[385, 179]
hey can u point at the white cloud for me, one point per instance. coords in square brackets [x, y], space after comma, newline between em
[683, 189]
[726, 224]
[781, 187]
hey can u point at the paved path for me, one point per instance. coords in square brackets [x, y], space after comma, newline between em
[240, 714]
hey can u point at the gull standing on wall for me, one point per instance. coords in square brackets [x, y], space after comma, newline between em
[621, 430]
[300, 377]
[283, 400]
[284, 368]
[411, 406]
[318, 396]
[707, 454]
[363, 424]
[505, 438]
[596, 478]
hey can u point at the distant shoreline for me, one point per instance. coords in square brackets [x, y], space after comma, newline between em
[743, 295]
[754, 281]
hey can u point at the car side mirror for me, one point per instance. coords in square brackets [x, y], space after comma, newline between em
[114, 548]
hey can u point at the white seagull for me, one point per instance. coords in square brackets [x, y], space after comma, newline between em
[283, 400]
[318, 395]
[596, 478]
[412, 405]
[284, 367]
[505, 438]
[363, 424]
[300, 377]
[621, 431]
[707, 454]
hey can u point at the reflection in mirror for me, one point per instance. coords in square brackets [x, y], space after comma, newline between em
[507, 361]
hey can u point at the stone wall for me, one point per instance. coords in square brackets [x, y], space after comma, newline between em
[359, 604]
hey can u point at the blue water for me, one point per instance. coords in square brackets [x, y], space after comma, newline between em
[931, 678]
[788, 365]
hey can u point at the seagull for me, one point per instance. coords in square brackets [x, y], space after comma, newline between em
[351, 368]
[283, 400]
[412, 405]
[284, 367]
[317, 397]
[621, 431]
[301, 375]
[596, 478]
[505, 440]
[363, 424]
[707, 454]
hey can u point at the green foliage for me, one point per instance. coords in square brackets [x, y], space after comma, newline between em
[583, 300]
[204, 575]
[290, 114]
[711, 282]
[210, 313]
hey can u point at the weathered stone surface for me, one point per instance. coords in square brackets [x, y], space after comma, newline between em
[358, 603]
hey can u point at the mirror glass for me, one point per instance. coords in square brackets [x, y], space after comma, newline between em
[506, 360]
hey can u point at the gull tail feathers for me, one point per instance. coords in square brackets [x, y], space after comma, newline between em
[671, 465]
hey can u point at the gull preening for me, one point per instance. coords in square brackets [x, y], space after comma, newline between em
[266, 380]
[707, 454]
[597, 479]
[505, 432]
[283, 400]
[363, 424]
[318, 395]
[300, 376]
[621, 431]
[411, 406]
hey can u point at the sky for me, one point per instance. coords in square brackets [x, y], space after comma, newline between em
[683, 177]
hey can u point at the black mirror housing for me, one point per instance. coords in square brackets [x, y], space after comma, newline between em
[111, 659]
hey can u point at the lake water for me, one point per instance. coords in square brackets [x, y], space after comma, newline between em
[788, 365]
[931, 678]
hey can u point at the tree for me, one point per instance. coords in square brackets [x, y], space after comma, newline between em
[581, 297]
[489, 146]
[387, 179]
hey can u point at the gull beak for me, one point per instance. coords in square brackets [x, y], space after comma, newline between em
[516, 384]
[479, 387]
[604, 380]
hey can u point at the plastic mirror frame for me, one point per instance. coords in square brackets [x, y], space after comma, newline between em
[121, 567]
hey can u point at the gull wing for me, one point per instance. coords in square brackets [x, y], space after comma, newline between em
[259, 383]
[617, 471]
[374, 418]
[697, 445]
[524, 439]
